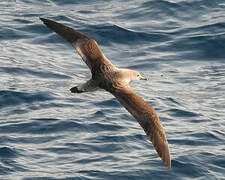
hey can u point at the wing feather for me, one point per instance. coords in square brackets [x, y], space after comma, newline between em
[86, 47]
[148, 119]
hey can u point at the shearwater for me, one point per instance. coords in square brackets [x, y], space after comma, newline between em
[116, 81]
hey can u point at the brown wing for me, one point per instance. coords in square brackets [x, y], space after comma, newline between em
[148, 119]
[86, 47]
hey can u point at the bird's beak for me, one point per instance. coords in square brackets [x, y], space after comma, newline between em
[142, 78]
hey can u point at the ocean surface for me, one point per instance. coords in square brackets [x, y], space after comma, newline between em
[48, 133]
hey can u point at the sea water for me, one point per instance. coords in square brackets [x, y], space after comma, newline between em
[46, 132]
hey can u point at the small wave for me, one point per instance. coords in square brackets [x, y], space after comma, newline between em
[12, 98]
[24, 71]
[8, 33]
[182, 113]
[107, 103]
[6, 152]
[42, 126]
[208, 47]
[8, 163]
[118, 34]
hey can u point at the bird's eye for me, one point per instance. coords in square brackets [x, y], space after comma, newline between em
[138, 75]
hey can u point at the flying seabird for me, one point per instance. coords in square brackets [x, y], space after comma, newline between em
[116, 81]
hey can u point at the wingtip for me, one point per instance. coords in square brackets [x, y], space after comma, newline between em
[162, 149]
[166, 159]
[44, 20]
[168, 164]
[65, 32]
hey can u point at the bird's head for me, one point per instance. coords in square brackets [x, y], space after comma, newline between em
[131, 75]
[136, 76]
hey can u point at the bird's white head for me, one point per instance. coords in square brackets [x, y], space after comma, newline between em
[136, 76]
[131, 75]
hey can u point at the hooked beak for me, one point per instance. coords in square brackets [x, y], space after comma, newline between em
[142, 78]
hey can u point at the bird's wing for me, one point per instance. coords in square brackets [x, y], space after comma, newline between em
[86, 47]
[147, 118]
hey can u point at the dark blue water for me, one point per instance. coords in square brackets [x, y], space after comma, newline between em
[48, 133]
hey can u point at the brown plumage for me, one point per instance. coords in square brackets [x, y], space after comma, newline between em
[116, 81]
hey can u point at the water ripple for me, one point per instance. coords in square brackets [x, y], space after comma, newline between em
[49, 133]
[12, 98]
[23, 72]
[6, 152]
[119, 34]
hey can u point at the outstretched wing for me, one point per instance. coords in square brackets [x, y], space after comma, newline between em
[86, 47]
[147, 118]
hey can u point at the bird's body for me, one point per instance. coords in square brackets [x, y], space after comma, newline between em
[116, 81]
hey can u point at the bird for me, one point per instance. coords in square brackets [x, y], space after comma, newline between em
[116, 81]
